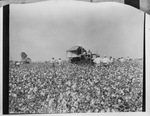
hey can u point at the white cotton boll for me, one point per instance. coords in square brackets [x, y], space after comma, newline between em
[50, 101]
[96, 110]
[20, 104]
[88, 97]
[69, 83]
[108, 110]
[35, 89]
[119, 77]
[102, 111]
[67, 93]
[139, 109]
[102, 102]
[119, 100]
[19, 87]
[89, 111]
[74, 86]
[14, 95]
[113, 95]
[75, 103]
[29, 96]
[113, 110]
[11, 112]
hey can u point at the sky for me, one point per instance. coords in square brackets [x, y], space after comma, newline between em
[47, 29]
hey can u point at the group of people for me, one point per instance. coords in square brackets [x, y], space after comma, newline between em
[105, 61]
[76, 88]
[53, 61]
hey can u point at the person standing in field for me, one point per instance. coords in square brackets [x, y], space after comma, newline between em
[59, 61]
[53, 62]
[97, 61]
[111, 60]
[105, 61]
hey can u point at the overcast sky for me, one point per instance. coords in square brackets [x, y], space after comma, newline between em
[47, 29]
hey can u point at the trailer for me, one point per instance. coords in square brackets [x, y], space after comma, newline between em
[78, 54]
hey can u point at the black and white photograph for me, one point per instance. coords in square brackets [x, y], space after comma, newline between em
[77, 56]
